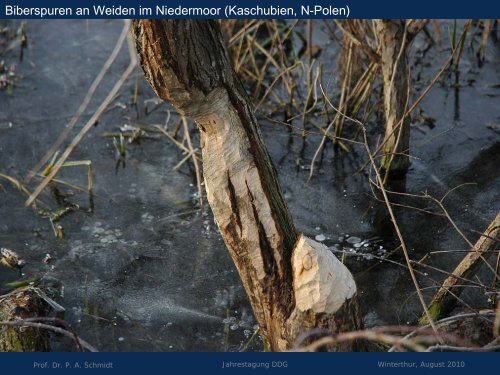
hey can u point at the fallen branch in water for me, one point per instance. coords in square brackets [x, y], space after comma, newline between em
[387, 335]
[444, 300]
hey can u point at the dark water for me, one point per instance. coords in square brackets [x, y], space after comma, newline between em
[147, 271]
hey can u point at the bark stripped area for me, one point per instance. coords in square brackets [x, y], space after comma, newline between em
[393, 51]
[186, 63]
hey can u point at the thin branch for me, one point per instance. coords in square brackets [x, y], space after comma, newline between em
[35, 323]
[116, 88]
[83, 106]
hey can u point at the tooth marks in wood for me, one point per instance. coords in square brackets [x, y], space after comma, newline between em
[234, 202]
[266, 248]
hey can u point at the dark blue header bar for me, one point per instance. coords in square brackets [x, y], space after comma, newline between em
[310, 9]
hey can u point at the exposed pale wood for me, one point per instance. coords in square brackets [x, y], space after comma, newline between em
[393, 62]
[186, 63]
[325, 293]
[321, 282]
[445, 299]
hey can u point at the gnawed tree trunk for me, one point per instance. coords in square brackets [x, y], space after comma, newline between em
[446, 298]
[393, 52]
[21, 304]
[293, 283]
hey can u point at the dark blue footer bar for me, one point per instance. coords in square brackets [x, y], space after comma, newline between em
[291, 363]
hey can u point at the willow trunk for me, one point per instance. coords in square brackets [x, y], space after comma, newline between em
[293, 283]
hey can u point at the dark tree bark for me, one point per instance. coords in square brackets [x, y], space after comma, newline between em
[293, 283]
